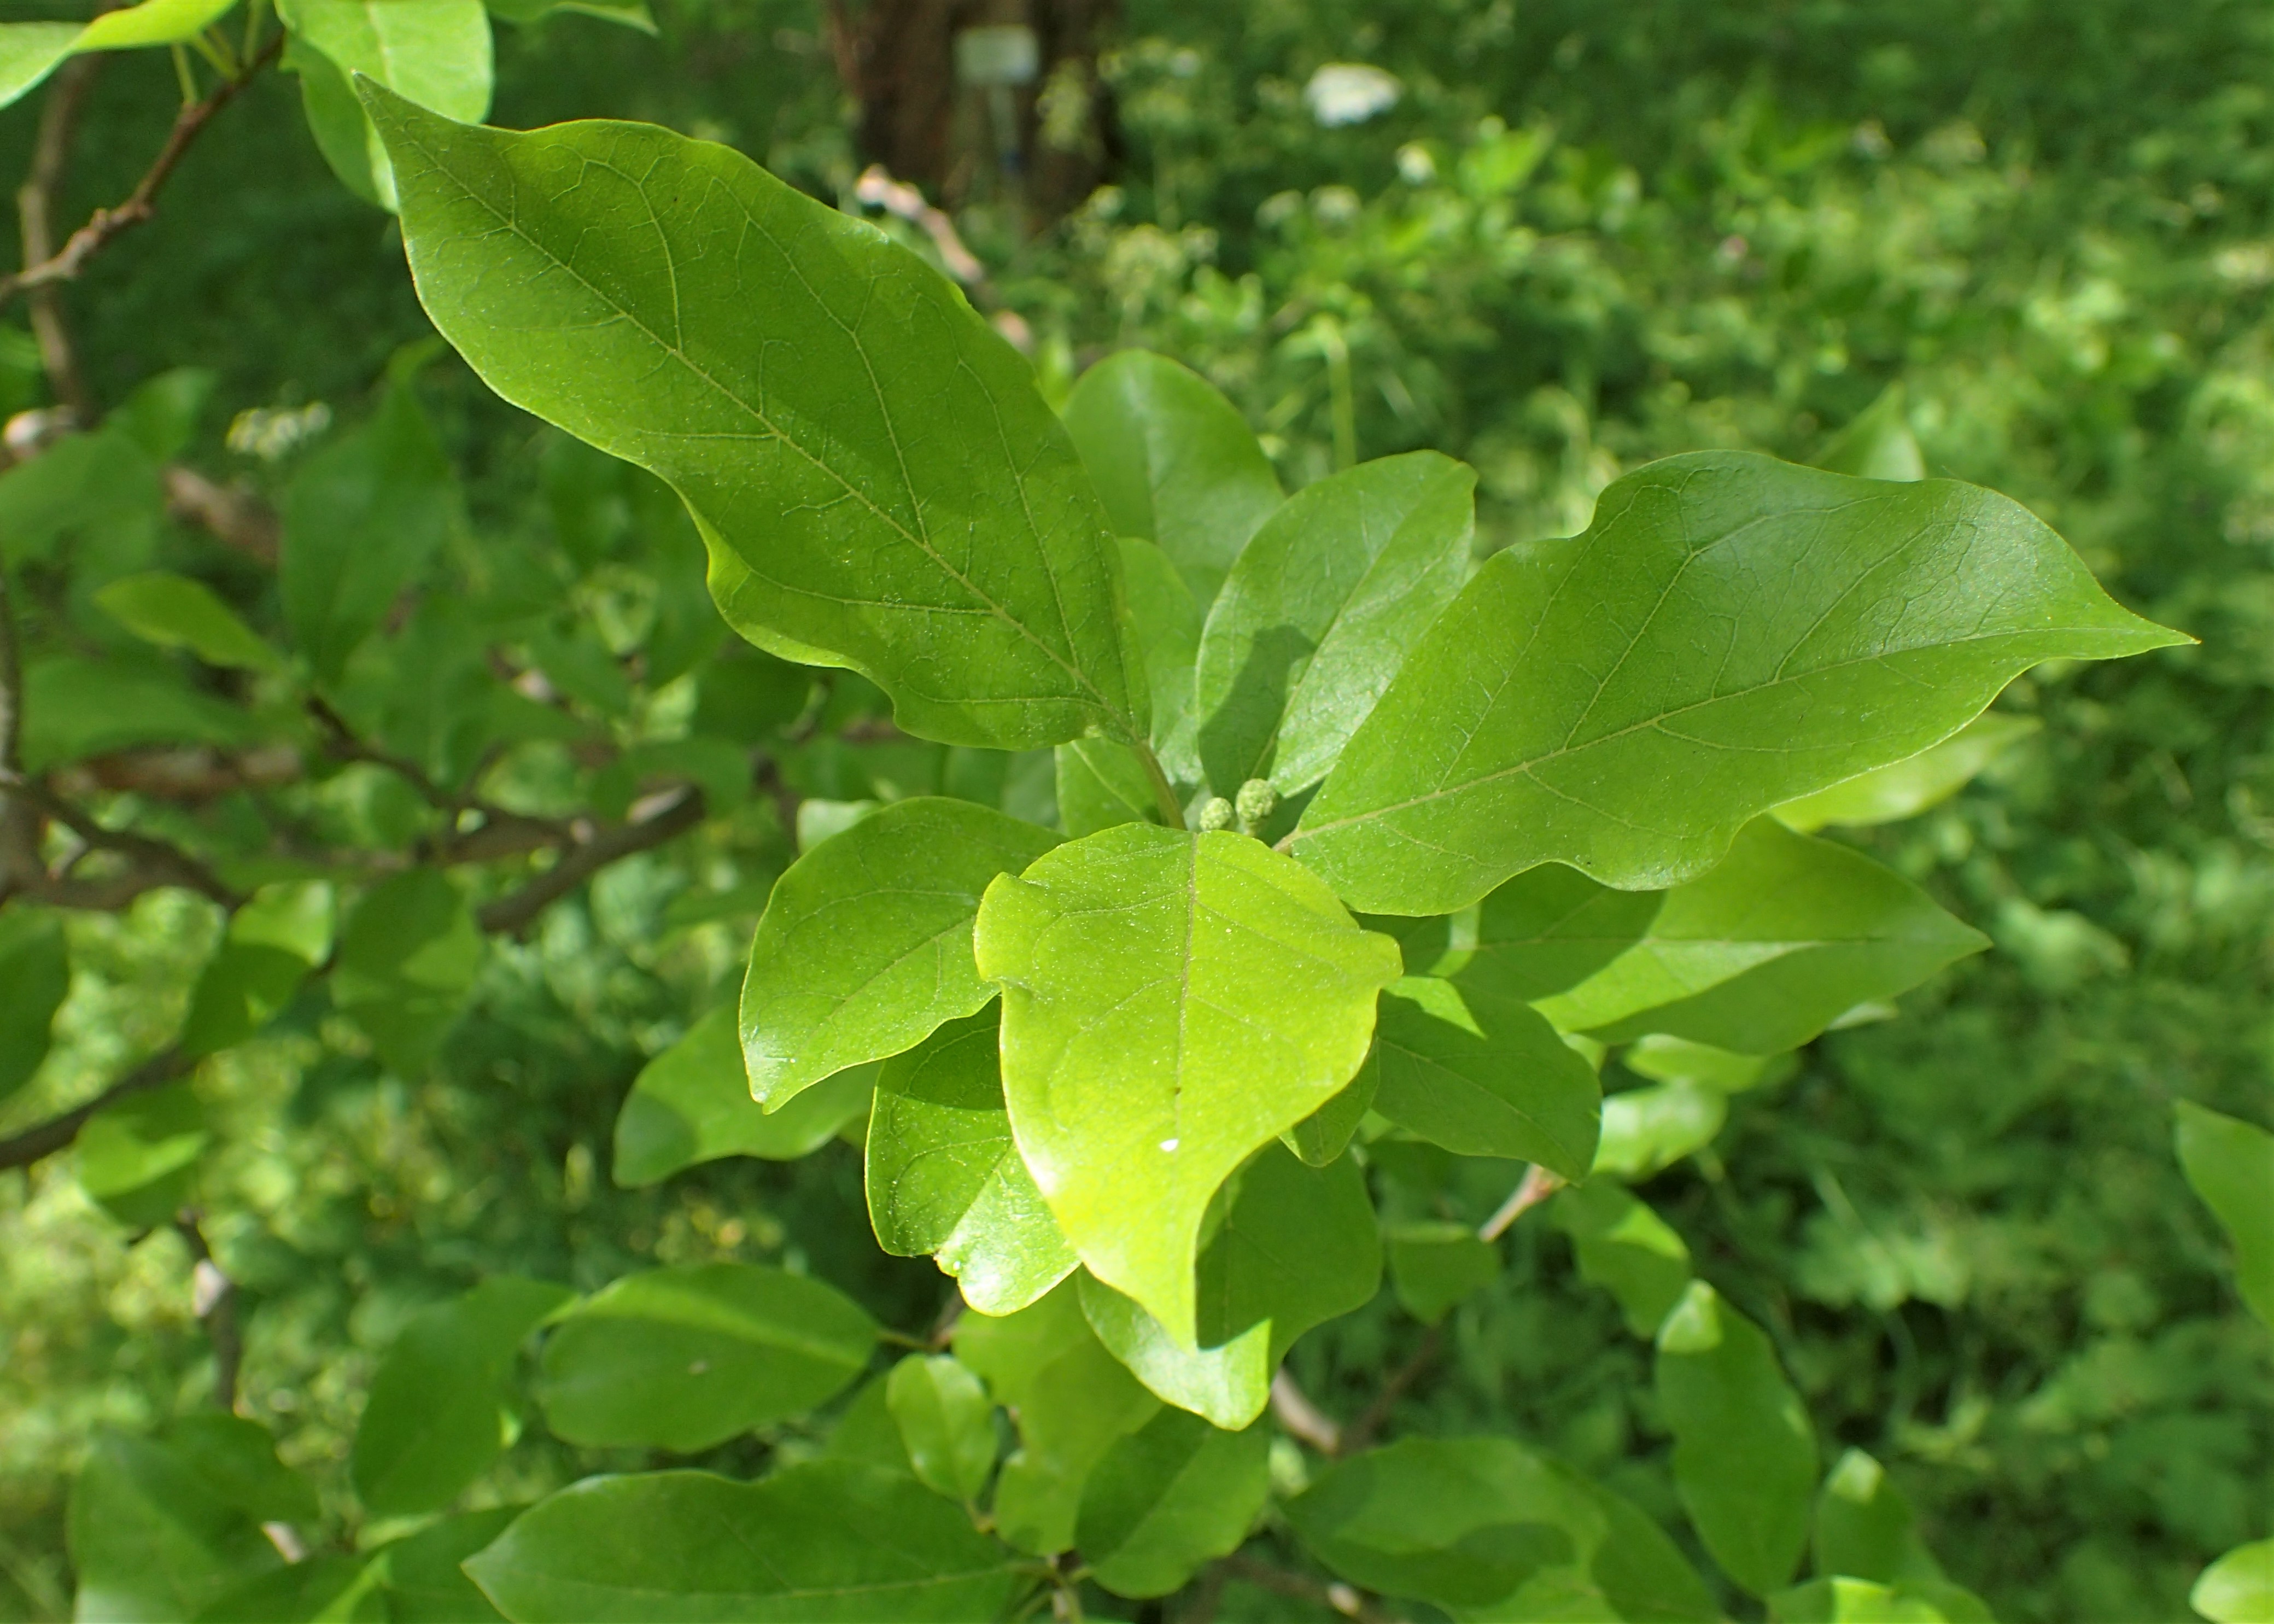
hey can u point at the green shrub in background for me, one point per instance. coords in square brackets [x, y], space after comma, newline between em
[1964, 1234]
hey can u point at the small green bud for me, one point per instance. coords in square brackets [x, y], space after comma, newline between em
[1216, 813]
[1257, 800]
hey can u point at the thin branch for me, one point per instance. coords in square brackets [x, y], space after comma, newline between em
[34, 201]
[1361, 1431]
[681, 811]
[67, 263]
[1294, 1409]
[44, 1139]
[1342, 1597]
[212, 1295]
[159, 863]
[1538, 1184]
[234, 516]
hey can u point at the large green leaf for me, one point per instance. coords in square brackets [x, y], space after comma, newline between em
[1730, 633]
[686, 1358]
[422, 1578]
[362, 517]
[826, 1543]
[1787, 935]
[1906, 788]
[2230, 1162]
[408, 954]
[866, 945]
[1625, 1248]
[1170, 1002]
[1866, 1527]
[1071, 1399]
[1294, 1247]
[150, 1540]
[1483, 1074]
[30, 51]
[1463, 1522]
[236, 1457]
[1169, 1497]
[274, 941]
[435, 52]
[878, 479]
[1434, 1266]
[1167, 624]
[1320, 612]
[434, 1420]
[175, 612]
[946, 1424]
[2238, 1588]
[138, 1158]
[36, 968]
[1744, 1453]
[945, 1179]
[692, 1103]
[1172, 462]
[1552, 927]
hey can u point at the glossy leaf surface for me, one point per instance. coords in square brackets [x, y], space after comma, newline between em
[1167, 1499]
[686, 1358]
[1170, 1002]
[1172, 462]
[1767, 949]
[866, 945]
[1320, 611]
[944, 1179]
[1484, 1075]
[826, 1543]
[1730, 633]
[434, 1420]
[1552, 927]
[692, 1103]
[879, 482]
[1744, 1453]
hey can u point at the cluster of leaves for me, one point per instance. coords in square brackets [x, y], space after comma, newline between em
[1259, 657]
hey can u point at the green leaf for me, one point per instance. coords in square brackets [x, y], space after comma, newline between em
[2230, 1163]
[136, 1158]
[274, 941]
[408, 954]
[1771, 947]
[436, 1418]
[1173, 461]
[1842, 1600]
[154, 22]
[1295, 1247]
[1462, 1522]
[1647, 1130]
[436, 53]
[1241, 997]
[424, 1583]
[36, 968]
[150, 1541]
[99, 492]
[1744, 1453]
[1320, 612]
[1167, 624]
[866, 946]
[1101, 784]
[1174, 1494]
[1865, 1527]
[363, 514]
[75, 708]
[175, 611]
[237, 1459]
[629, 13]
[1877, 443]
[683, 1358]
[945, 1179]
[324, 1587]
[1434, 1266]
[1071, 1399]
[2238, 1587]
[828, 1540]
[1625, 1248]
[865, 1432]
[692, 1103]
[1484, 1075]
[1551, 928]
[878, 478]
[1906, 788]
[1625, 701]
[946, 1422]
[1670, 1060]
[1326, 1132]
[31, 51]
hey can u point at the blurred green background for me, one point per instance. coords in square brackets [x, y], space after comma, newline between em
[1579, 237]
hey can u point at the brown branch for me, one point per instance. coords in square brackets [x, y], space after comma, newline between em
[681, 810]
[158, 862]
[1342, 1597]
[1361, 1431]
[1537, 1186]
[189, 773]
[50, 152]
[1294, 1409]
[46, 1138]
[235, 516]
[105, 225]
[212, 1295]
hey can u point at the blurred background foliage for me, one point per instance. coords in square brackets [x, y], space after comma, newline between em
[1576, 238]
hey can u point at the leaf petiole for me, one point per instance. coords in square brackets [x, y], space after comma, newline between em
[1164, 794]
